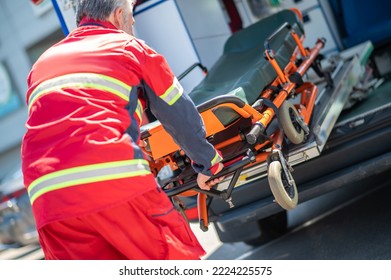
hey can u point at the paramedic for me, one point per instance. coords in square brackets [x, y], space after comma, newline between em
[92, 193]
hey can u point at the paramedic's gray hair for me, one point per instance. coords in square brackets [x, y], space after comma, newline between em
[96, 9]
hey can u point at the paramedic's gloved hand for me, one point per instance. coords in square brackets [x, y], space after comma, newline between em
[201, 179]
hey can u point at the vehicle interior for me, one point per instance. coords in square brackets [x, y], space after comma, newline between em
[315, 105]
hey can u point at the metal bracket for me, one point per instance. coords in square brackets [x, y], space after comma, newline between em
[302, 124]
[286, 167]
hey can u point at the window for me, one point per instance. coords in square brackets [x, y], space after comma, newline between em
[35, 51]
[9, 97]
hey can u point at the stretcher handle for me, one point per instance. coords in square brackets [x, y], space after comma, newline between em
[257, 130]
[224, 172]
[188, 70]
[275, 33]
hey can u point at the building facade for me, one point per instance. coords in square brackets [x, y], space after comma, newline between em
[26, 31]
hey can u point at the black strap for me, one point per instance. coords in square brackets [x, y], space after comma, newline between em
[296, 78]
[270, 104]
[274, 89]
[92, 24]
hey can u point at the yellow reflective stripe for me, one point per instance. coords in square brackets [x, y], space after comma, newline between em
[87, 174]
[82, 80]
[173, 93]
[139, 110]
[216, 159]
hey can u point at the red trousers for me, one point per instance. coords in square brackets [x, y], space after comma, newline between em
[147, 227]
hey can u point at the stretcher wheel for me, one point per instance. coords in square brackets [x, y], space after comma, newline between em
[288, 116]
[284, 193]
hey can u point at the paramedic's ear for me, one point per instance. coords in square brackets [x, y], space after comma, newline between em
[117, 16]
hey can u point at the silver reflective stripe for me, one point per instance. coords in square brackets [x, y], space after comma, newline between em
[216, 159]
[87, 174]
[139, 110]
[173, 93]
[82, 80]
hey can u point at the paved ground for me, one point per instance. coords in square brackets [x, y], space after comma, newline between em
[350, 224]
[359, 231]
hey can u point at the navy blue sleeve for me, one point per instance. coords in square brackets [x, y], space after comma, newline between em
[185, 125]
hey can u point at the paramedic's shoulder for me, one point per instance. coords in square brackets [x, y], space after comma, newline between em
[139, 47]
[172, 106]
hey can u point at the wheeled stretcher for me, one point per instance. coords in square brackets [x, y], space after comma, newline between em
[254, 104]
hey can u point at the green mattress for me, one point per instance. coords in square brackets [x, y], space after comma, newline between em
[242, 70]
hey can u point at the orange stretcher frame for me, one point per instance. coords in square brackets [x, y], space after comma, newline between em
[293, 123]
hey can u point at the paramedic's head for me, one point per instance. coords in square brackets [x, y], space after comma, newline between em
[118, 12]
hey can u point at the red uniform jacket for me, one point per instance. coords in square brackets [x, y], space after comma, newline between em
[80, 152]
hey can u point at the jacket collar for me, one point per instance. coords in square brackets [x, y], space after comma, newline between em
[89, 21]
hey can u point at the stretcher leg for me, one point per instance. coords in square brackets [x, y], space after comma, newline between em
[202, 211]
[280, 179]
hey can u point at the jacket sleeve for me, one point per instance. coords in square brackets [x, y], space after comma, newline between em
[177, 112]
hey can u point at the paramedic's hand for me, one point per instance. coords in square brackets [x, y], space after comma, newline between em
[142, 144]
[201, 179]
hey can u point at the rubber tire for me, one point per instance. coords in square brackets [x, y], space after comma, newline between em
[278, 189]
[294, 134]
